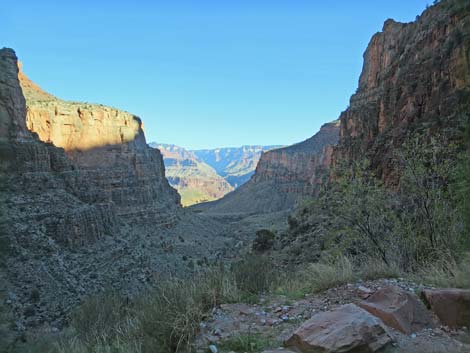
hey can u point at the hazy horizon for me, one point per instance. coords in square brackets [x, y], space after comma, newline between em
[208, 74]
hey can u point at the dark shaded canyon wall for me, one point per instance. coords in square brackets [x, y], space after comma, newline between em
[415, 79]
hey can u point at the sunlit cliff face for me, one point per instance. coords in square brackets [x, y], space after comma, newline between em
[76, 126]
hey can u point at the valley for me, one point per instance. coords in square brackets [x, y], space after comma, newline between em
[208, 175]
[356, 239]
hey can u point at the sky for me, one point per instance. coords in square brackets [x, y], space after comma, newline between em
[203, 73]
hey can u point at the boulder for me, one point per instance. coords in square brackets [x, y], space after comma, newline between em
[399, 309]
[452, 306]
[345, 329]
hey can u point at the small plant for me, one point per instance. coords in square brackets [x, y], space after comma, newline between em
[249, 342]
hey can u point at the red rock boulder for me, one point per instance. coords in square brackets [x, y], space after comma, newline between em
[452, 306]
[399, 309]
[346, 329]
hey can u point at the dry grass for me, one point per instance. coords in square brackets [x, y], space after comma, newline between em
[447, 274]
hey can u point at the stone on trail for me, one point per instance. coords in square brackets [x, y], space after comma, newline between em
[345, 329]
[399, 309]
[452, 306]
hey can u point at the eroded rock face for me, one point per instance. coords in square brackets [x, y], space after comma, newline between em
[399, 309]
[345, 329]
[283, 176]
[415, 78]
[452, 306]
[108, 147]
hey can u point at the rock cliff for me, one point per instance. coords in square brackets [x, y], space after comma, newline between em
[80, 214]
[105, 144]
[195, 180]
[415, 79]
[283, 176]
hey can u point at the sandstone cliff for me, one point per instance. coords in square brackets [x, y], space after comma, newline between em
[283, 176]
[195, 180]
[415, 78]
[105, 144]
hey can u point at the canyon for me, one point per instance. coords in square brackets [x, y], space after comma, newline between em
[283, 177]
[208, 175]
[234, 164]
[195, 180]
[88, 206]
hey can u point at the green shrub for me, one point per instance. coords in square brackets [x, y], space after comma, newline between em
[101, 318]
[254, 274]
[169, 316]
[264, 240]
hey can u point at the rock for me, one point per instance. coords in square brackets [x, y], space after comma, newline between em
[345, 329]
[399, 309]
[213, 348]
[452, 306]
[364, 292]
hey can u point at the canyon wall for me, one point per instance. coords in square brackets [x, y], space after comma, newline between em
[283, 176]
[108, 147]
[84, 206]
[415, 79]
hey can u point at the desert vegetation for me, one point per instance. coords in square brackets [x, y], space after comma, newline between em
[418, 226]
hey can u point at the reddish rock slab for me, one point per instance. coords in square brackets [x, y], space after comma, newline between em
[346, 329]
[399, 309]
[452, 306]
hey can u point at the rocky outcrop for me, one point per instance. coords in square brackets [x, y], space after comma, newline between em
[235, 164]
[345, 329]
[399, 309]
[195, 180]
[283, 176]
[415, 79]
[105, 144]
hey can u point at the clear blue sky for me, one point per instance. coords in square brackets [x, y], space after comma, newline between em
[203, 73]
